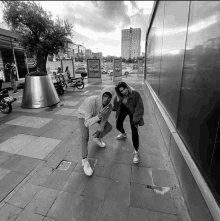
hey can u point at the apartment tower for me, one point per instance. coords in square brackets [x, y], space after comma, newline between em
[130, 43]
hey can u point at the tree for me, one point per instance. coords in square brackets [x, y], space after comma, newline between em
[36, 30]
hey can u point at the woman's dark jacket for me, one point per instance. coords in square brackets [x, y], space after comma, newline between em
[134, 104]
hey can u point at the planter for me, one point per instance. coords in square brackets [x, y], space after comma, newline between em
[39, 92]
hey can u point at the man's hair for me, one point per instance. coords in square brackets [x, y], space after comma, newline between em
[108, 93]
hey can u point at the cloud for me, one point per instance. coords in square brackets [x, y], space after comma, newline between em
[100, 16]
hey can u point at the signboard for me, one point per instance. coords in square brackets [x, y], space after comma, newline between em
[93, 68]
[70, 64]
[117, 67]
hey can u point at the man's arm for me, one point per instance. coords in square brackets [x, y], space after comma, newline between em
[89, 120]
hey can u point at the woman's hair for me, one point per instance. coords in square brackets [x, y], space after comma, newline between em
[118, 85]
[66, 68]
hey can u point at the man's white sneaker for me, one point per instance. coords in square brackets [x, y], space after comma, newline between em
[136, 157]
[99, 142]
[86, 167]
[121, 136]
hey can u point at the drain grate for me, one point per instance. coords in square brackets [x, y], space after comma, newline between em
[64, 165]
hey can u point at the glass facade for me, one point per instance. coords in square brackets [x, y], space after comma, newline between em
[182, 67]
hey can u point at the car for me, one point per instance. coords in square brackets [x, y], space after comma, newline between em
[126, 71]
[110, 72]
[81, 70]
[104, 71]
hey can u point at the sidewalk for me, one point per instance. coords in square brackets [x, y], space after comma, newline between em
[41, 177]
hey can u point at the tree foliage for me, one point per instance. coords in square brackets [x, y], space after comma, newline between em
[37, 32]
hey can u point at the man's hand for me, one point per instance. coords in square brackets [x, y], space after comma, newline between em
[104, 112]
[97, 134]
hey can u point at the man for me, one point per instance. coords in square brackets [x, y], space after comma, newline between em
[13, 77]
[95, 109]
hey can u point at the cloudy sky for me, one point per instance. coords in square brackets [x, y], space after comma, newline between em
[98, 24]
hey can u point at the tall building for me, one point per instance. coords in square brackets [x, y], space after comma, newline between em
[88, 53]
[130, 43]
[97, 55]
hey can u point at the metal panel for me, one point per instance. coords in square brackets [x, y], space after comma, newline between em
[38, 92]
[199, 108]
[154, 51]
[174, 41]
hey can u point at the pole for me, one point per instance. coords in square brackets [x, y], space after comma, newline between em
[15, 59]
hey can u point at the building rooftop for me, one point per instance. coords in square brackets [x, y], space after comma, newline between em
[8, 33]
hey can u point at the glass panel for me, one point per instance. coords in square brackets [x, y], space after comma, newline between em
[174, 40]
[154, 51]
[199, 107]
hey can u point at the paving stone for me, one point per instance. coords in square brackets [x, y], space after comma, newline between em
[64, 122]
[58, 178]
[54, 160]
[57, 132]
[163, 178]
[24, 195]
[97, 187]
[41, 175]
[103, 169]
[4, 156]
[9, 212]
[17, 143]
[114, 211]
[3, 172]
[25, 130]
[9, 182]
[69, 206]
[65, 111]
[145, 198]
[29, 121]
[151, 161]
[119, 191]
[42, 201]
[137, 214]
[49, 219]
[71, 103]
[40, 147]
[20, 164]
[76, 183]
[142, 175]
[29, 110]
[125, 158]
[27, 216]
[121, 172]
[7, 135]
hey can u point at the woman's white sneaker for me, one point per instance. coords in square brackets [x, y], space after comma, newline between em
[136, 157]
[121, 136]
[86, 167]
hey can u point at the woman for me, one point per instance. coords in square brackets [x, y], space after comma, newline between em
[68, 72]
[2, 78]
[129, 102]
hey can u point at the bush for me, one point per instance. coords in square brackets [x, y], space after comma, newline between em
[37, 73]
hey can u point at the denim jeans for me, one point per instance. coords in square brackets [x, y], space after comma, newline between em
[85, 135]
[14, 85]
[124, 111]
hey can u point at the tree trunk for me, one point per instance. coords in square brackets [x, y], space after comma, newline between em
[41, 62]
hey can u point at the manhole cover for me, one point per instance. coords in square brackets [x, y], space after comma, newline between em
[64, 165]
